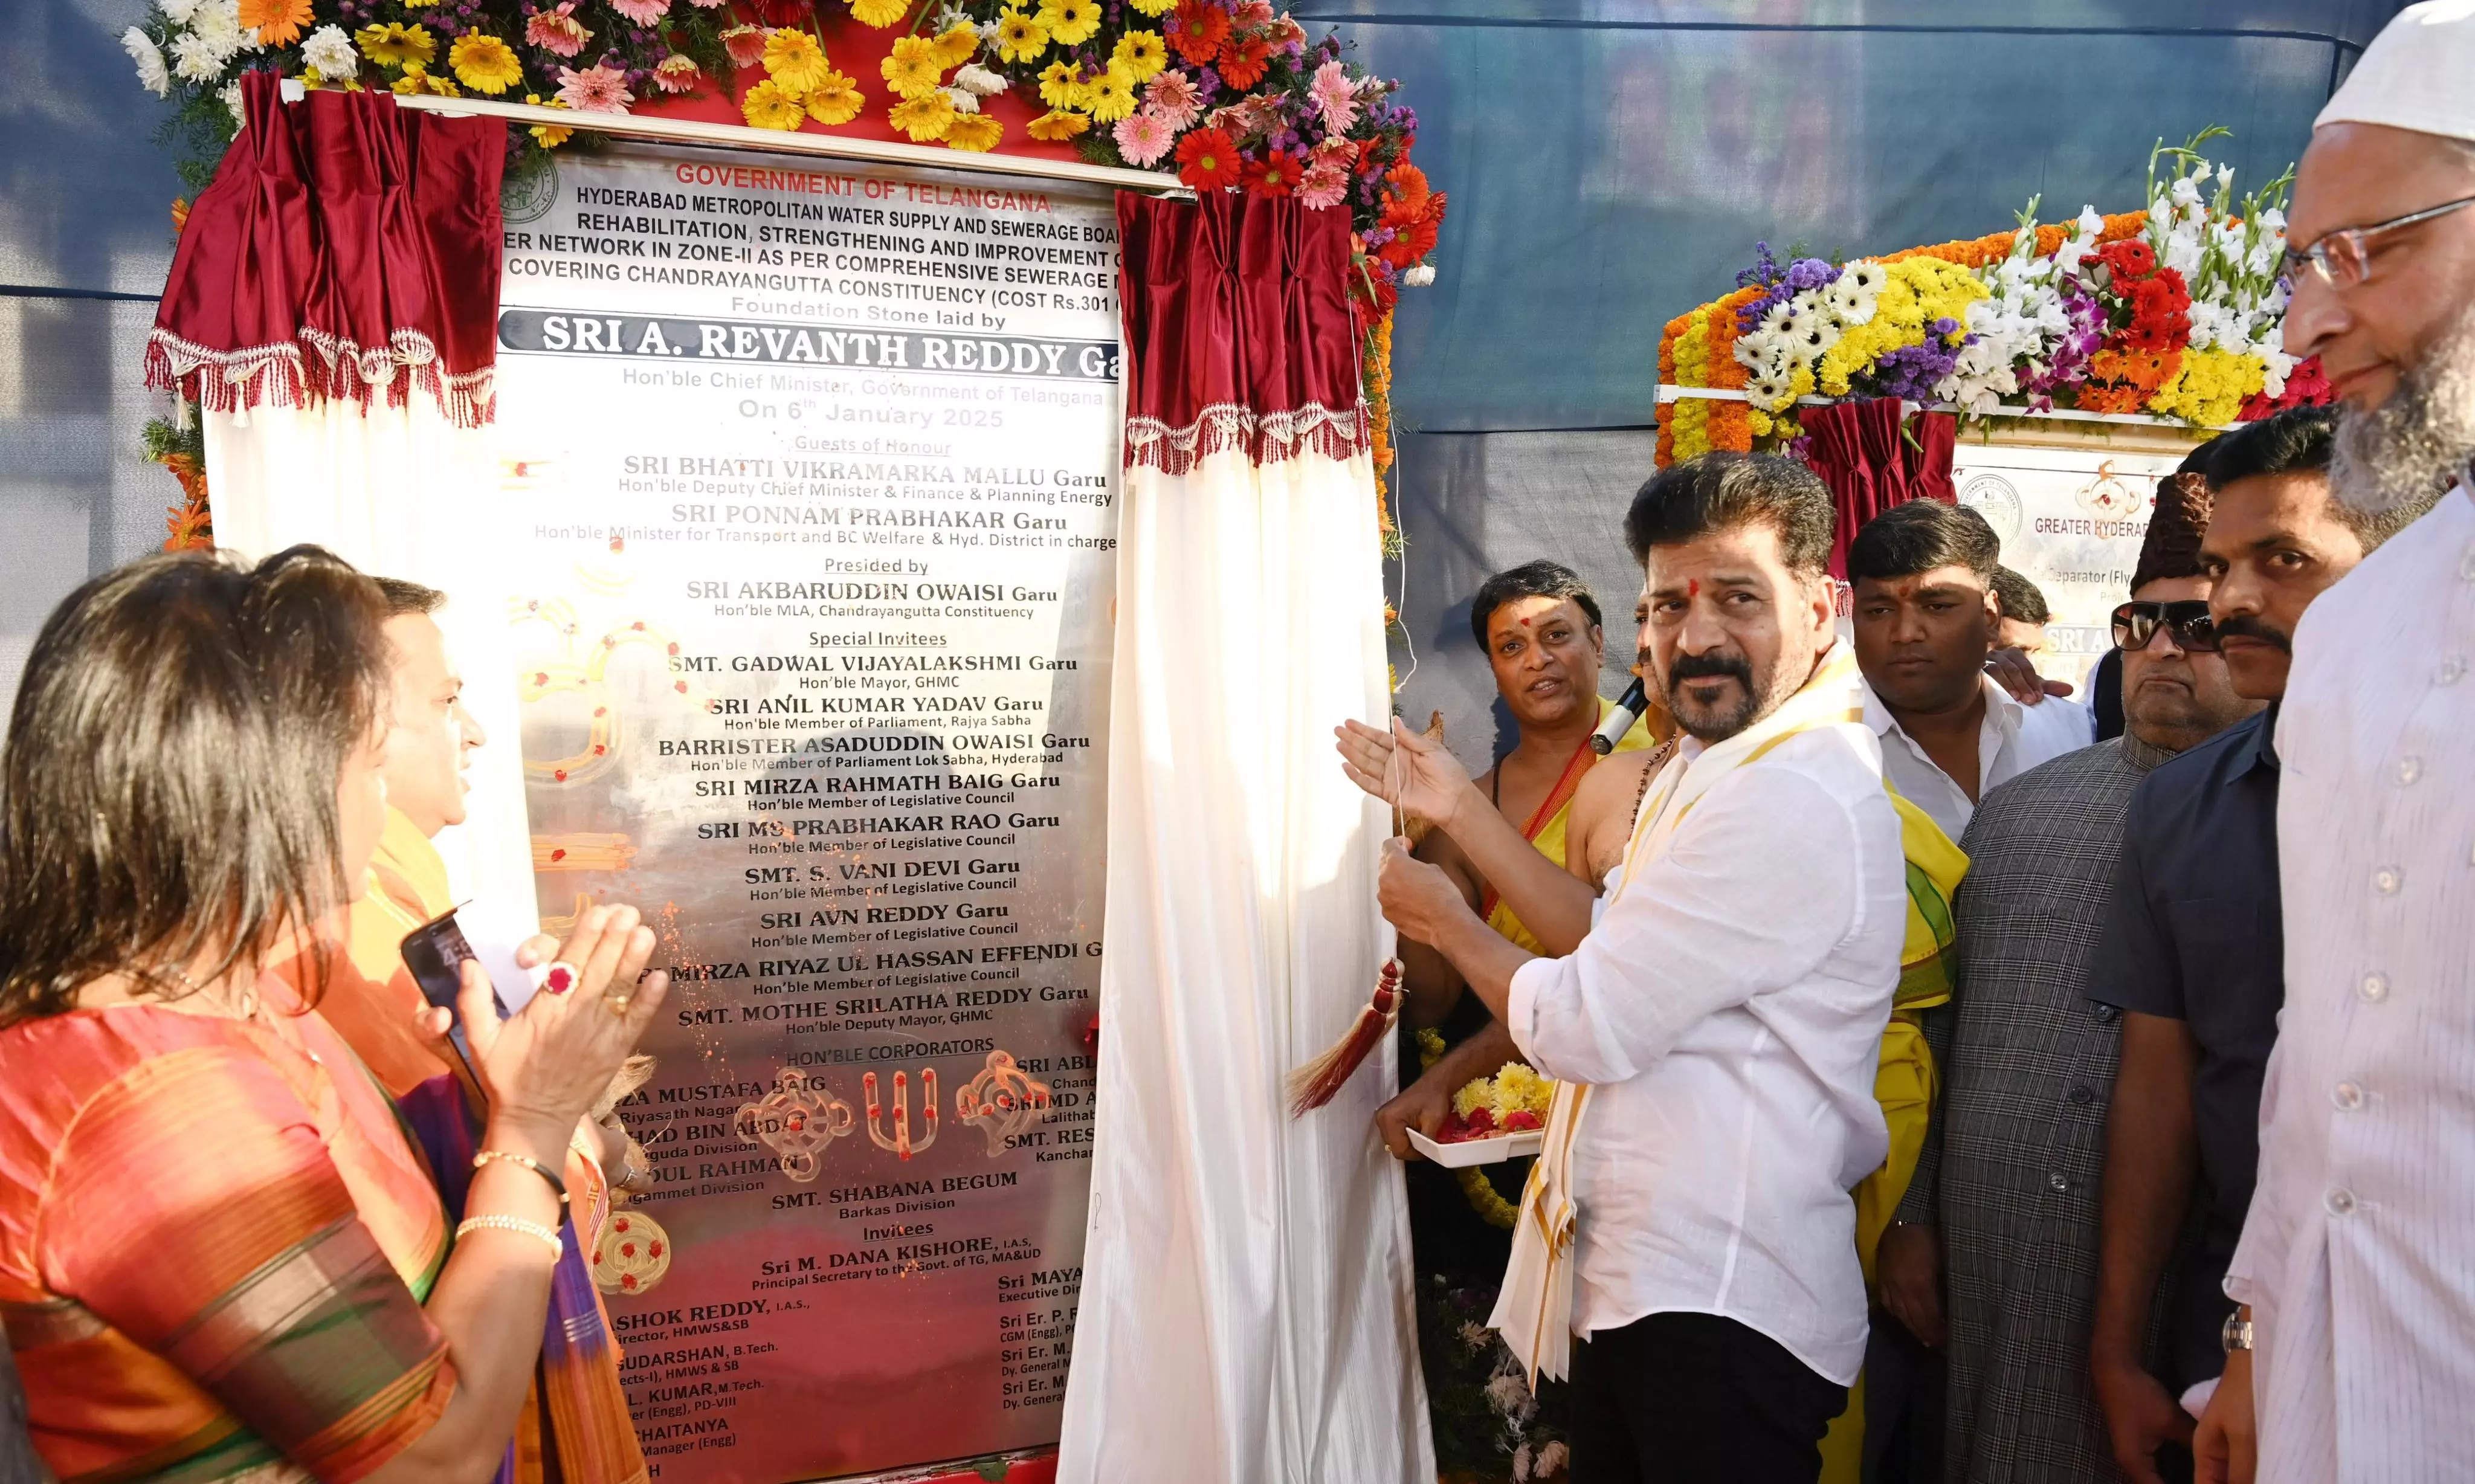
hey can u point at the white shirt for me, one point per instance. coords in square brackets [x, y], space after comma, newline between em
[2358, 1257]
[2013, 739]
[1729, 1004]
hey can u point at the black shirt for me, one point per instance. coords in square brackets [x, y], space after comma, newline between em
[2196, 934]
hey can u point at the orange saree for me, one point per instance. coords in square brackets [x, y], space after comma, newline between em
[215, 1245]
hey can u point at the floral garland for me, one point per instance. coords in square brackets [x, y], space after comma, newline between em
[2170, 312]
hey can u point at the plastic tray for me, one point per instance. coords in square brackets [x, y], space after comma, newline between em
[1470, 1152]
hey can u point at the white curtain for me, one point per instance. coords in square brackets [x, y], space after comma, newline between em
[402, 492]
[1246, 1310]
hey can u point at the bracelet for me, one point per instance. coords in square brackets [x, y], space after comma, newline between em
[518, 1224]
[534, 1165]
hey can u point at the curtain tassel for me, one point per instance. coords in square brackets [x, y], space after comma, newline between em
[1319, 1082]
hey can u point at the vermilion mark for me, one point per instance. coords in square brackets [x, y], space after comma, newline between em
[1692, 586]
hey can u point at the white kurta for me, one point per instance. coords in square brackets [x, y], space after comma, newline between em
[2358, 1255]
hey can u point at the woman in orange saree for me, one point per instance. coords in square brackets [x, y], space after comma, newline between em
[220, 1257]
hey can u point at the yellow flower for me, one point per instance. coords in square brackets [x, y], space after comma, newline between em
[1058, 126]
[1154, 7]
[879, 14]
[1475, 1093]
[956, 46]
[1021, 37]
[1070, 21]
[769, 105]
[1113, 95]
[836, 100]
[913, 69]
[1142, 52]
[794, 59]
[2207, 389]
[395, 43]
[484, 63]
[973, 132]
[548, 136]
[1061, 87]
[925, 118]
[1518, 1088]
[416, 79]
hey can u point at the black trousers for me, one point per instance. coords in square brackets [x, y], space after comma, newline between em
[1695, 1398]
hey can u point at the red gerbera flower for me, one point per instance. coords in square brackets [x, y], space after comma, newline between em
[1197, 30]
[1243, 61]
[1276, 174]
[1207, 159]
[2129, 259]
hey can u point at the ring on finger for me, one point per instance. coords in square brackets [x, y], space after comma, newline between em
[560, 977]
[617, 1004]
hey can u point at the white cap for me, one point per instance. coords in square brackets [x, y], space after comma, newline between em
[2419, 74]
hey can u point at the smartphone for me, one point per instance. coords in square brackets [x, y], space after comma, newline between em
[435, 953]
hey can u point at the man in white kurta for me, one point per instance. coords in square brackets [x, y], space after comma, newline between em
[1725, 1014]
[2355, 1357]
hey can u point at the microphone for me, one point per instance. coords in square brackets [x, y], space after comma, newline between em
[1620, 721]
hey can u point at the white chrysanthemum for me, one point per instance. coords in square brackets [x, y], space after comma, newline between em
[152, 74]
[330, 51]
[196, 56]
[177, 12]
[1418, 276]
[979, 81]
[1509, 1395]
[232, 102]
[961, 98]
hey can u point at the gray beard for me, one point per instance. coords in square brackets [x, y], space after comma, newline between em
[2410, 447]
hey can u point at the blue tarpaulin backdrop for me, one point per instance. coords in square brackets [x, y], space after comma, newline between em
[1610, 166]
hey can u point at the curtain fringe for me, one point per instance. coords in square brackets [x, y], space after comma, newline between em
[333, 369]
[1264, 437]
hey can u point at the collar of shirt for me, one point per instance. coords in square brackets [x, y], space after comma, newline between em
[2259, 749]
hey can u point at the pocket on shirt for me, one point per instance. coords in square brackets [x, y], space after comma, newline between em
[2209, 934]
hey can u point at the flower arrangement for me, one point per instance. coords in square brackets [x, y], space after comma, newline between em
[1512, 1101]
[2170, 312]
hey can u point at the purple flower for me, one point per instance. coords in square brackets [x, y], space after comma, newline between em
[1912, 372]
[1785, 284]
[1765, 270]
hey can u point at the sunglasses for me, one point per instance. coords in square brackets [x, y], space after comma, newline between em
[2193, 631]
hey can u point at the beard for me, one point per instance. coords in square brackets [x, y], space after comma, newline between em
[1707, 723]
[2407, 451]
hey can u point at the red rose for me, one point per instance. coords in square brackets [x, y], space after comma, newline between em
[1481, 1121]
[1207, 159]
[1520, 1121]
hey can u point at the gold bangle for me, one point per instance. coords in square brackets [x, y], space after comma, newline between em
[517, 1223]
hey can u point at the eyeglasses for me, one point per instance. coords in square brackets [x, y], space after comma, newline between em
[2342, 259]
[2193, 631]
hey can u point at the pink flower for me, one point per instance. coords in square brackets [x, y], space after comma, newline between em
[557, 31]
[1326, 185]
[1254, 13]
[643, 12]
[746, 45]
[1335, 96]
[677, 74]
[707, 5]
[597, 89]
[1174, 97]
[1144, 138]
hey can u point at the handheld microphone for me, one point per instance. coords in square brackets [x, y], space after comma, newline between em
[1620, 721]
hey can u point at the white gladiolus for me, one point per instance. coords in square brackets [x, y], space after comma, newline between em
[152, 74]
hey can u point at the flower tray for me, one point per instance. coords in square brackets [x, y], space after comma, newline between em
[1490, 1151]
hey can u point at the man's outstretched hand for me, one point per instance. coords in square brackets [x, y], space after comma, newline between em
[1402, 768]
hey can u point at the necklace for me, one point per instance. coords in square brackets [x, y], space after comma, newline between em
[244, 1004]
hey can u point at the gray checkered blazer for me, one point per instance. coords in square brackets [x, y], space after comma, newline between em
[2013, 1154]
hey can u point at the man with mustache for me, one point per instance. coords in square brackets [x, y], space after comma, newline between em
[2191, 947]
[2009, 1172]
[1720, 1022]
[2354, 1353]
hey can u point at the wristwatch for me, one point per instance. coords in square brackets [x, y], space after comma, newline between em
[2237, 1333]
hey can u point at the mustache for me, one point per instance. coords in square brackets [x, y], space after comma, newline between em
[1704, 667]
[2253, 626]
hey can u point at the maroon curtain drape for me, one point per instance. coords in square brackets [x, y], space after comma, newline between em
[1240, 331]
[347, 249]
[1858, 450]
